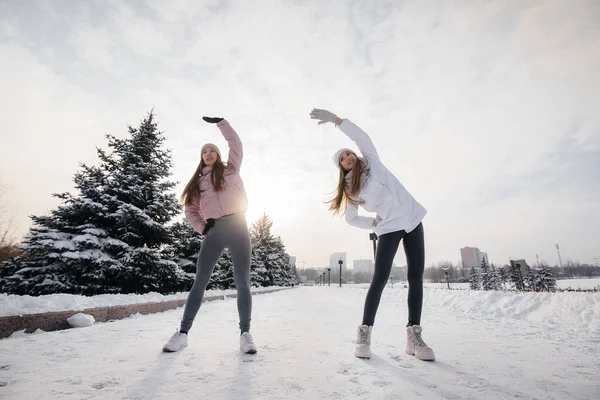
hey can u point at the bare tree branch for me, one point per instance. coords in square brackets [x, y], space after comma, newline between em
[7, 241]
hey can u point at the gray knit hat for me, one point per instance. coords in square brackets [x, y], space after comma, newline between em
[214, 146]
[336, 156]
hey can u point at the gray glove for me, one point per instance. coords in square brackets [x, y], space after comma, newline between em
[323, 116]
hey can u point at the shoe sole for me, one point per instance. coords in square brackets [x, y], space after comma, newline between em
[422, 359]
[362, 356]
[249, 352]
[166, 350]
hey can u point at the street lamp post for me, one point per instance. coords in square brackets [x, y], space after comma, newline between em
[447, 278]
[559, 259]
[340, 262]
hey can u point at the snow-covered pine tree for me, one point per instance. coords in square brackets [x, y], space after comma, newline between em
[515, 276]
[222, 276]
[107, 238]
[546, 279]
[495, 280]
[486, 276]
[259, 276]
[270, 262]
[531, 279]
[474, 279]
[503, 276]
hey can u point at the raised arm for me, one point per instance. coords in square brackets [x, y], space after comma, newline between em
[357, 135]
[354, 219]
[360, 137]
[236, 149]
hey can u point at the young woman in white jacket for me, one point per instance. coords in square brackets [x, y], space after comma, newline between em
[366, 182]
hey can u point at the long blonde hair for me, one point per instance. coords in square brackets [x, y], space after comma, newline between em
[217, 180]
[344, 194]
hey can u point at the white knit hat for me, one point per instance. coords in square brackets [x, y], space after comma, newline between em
[336, 156]
[214, 146]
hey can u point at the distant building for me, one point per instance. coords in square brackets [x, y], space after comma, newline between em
[334, 261]
[472, 257]
[292, 261]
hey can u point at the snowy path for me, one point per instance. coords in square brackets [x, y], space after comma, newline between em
[305, 338]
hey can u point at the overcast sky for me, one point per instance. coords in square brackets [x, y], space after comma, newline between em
[487, 111]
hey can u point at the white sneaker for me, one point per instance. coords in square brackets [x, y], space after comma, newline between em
[247, 343]
[415, 346]
[363, 342]
[177, 342]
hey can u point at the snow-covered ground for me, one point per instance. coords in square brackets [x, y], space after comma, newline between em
[581, 283]
[489, 345]
[19, 305]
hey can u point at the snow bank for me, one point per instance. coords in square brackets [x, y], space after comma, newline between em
[19, 305]
[578, 310]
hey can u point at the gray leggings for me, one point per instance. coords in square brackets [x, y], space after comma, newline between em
[230, 231]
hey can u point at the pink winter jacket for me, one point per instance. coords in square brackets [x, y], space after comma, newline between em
[232, 199]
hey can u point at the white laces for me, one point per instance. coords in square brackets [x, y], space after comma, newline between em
[417, 339]
[248, 338]
[363, 336]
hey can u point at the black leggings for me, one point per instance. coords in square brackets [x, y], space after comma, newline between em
[414, 248]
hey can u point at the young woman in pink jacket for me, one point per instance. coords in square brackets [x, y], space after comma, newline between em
[366, 182]
[215, 204]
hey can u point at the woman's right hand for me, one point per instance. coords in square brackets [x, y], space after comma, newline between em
[212, 120]
[324, 116]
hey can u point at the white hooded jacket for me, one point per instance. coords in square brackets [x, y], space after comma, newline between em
[381, 193]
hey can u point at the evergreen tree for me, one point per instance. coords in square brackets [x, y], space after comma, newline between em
[515, 276]
[546, 279]
[531, 279]
[486, 276]
[270, 262]
[503, 276]
[107, 238]
[259, 276]
[495, 282]
[474, 279]
[222, 275]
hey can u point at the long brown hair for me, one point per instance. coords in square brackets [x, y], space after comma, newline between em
[217, 180]
[344, 194]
